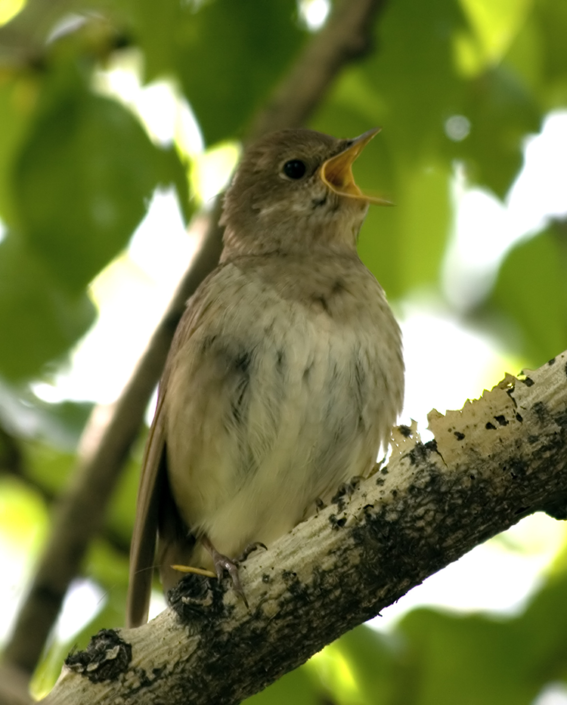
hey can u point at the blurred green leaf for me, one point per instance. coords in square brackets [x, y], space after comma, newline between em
[297, 687]
[551, 19]
[526, 54]
[470, 660]
[542, 631]
[228, 57]
[24, 520]
[83, 179]
[109, 568]
[43, 318]
[48, 468]
[404, 245]
[502, 113]
[417, 77]
[17, 99]
[153, 27]
[110, 616]
[414, 74]
[173, 171]
[476, 659]
[373, 660]
[28, 417]
[495, 25]
[531, 291]
[122, 509]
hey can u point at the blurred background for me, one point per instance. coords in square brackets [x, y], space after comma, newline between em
[120, 121]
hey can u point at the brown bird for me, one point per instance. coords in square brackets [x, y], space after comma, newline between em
[285, 375]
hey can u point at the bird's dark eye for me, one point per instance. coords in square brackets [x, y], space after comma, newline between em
[294, 169]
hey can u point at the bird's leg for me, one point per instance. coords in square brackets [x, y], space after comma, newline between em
[222, 563]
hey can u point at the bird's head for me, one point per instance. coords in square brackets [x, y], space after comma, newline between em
[294, 192]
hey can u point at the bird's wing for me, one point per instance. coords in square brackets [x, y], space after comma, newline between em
[156, 509]
[142, 548]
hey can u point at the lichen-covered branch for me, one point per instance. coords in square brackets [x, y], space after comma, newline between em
[497, 460]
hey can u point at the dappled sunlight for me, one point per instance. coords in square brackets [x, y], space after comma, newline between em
[335, 672]
[9, 9]
[486, 228]
[446, 361]
[134, 289]
[23, 528]
[496, 578]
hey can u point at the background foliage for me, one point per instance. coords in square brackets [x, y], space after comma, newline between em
[458, 86]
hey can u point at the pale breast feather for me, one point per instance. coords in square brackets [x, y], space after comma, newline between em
[297, 401]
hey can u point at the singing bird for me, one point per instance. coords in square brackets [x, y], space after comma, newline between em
[285, 375]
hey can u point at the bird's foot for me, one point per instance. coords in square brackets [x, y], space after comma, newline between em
[222, 563]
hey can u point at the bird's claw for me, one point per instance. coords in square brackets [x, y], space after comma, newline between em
[250, 548]
[222, 563]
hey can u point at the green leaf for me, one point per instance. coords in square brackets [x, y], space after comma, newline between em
[297, 687]
[469, 660]
[550, 17]
[111, 616]
[417, 77]
[122, 510]
[414, 74]
[371, 659]
[17, 99]
[495, 26]
[526, 56]
[109, 568]
[24, 520]
[153, 27]
[82, 181]
[228, 57]
[48, 468]
[501, 112]
[543, 627]
[531, 291]
[172, 170]
[27, 416]
[404, 245]
[39, 319]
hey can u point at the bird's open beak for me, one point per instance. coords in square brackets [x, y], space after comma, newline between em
[336, 172]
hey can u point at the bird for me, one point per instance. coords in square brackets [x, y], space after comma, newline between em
[285, 375]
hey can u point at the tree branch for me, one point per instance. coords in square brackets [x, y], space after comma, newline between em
[81, 511]
[346, 36]
[14, 687]
[497, 460]
[13, 464]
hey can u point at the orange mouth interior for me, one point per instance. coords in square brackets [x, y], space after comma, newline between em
[337, 174]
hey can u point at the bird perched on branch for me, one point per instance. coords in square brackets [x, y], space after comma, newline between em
[285, 375]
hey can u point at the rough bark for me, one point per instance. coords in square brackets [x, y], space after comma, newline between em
[497, 460]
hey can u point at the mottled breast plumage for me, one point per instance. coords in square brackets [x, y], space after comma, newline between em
[295, 382]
